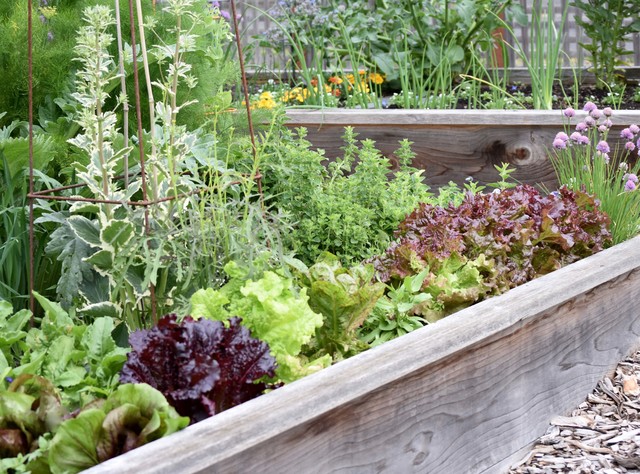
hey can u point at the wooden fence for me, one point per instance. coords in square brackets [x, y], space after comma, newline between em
[255, 21]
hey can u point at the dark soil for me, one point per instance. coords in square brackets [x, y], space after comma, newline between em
[601, 97]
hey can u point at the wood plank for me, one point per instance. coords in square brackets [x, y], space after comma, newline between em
[466, 394]
[453, 145]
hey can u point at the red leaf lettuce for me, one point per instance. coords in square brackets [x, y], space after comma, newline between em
[202, 367]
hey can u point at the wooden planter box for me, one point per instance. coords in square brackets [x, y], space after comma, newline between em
[452, 145]
[468, 394]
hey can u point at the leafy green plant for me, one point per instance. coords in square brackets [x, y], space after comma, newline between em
[393, 314]
[583, 160]
[30, 410]
[345, 297]
[84, 359]
[133, 415]
[607, 25]
[275, 312]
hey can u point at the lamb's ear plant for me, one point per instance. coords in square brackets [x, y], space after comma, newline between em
[113, 253]
[583, 160]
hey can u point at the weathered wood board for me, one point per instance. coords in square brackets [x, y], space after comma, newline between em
[451, 145]
[468, 394]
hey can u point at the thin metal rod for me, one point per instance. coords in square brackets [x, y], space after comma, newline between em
[143, 175]
[245, 88]
[32, 303]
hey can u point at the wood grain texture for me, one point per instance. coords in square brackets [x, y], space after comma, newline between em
[465, 395]
[451, 145]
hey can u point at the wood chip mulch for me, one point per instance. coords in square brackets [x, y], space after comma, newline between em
[601, 436]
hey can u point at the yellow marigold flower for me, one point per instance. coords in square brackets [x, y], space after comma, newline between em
[266, 95]
[266, 103]
[376, 78]
[351, 78]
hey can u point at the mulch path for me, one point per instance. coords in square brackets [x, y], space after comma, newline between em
[601, 436]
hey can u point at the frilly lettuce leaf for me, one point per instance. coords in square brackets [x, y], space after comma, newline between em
[274, 313]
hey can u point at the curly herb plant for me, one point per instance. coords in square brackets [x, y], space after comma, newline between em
[348, 208]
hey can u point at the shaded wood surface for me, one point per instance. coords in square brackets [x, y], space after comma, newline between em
[451, 145]
[468, 394]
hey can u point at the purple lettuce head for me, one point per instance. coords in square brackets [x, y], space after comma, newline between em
[201, 367]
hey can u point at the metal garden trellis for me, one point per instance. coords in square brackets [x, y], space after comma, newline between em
[49, 194]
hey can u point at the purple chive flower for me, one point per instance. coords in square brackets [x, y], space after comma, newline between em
[590, 121]
[604, 156]
[607, 123]
[603, 147]
[630, 186]
[634, 128]
[575, 136]
[583, 140]
[589, 106]
[626, 133]
[581, 127]
[602, 128]
[559, 144]
[569, 112]
[596, 114]
[607, 111]
[43, 19]
[562, 136]
[631, 177]
[629, 146]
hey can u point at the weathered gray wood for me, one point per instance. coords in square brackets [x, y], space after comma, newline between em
[467, 394]
[452, 145]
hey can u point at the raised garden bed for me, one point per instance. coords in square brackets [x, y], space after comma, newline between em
[467, 394]
[451, 145]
